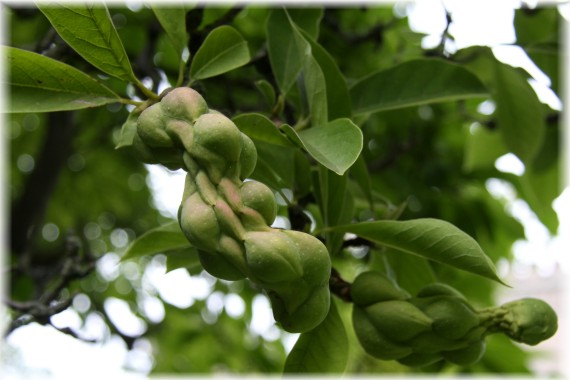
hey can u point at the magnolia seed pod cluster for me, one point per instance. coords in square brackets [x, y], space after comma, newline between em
[228, 220]
[438, 323]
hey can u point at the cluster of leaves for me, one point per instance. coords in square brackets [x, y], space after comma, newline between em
[382, 139]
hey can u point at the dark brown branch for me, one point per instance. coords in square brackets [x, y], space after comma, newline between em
[339, 287]
[29, 209]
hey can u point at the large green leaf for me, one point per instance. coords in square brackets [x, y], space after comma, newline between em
[223, 50]
[40, 84]
[321, 350]
[430, 238]
[338, 96]
[335, 145]
[260, 128]
[173, 21]
[88, 29]
[482, 148]
[158, 240]
[520, 115]
[413, 83]
[282, 50]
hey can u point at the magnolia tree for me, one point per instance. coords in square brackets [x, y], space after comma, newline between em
[332, 165]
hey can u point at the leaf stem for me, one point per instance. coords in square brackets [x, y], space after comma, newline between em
[148, 93]
[130, 101]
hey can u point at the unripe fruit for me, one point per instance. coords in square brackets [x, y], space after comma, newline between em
[184, 103]
[373, 341]
[260, 198]
[431, 343]
[199, 223]
[398, 320]
[466, 356]
[420, 360]
[272, 257]
[247, 158]
[372, 287]
[218, 134]
[438, 289]
[529, 320]
[151, 127]
[218, 266]
[313, 255]
[452, 318]
[307, 316]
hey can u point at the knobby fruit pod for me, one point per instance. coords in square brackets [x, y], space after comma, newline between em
[372, 287]
[229, 221]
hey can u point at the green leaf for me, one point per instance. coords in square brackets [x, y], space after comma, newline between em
[336, 204]
[413, 83]
[128, 130]
[260, 128]
[41, 84]
[282, 50]
[158, 240]
[307, 19]
[433, 239]
[88, 29]
[315, 90]
[359, 172]
[223, 50]
[183, 258]
[482, 148]
[321, 350]
[335, 145]
[173, 21]
[338, 96]
[267, 91]
[520, 115]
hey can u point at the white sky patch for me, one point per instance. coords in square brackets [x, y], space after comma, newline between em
[509, 163]
[167, 187]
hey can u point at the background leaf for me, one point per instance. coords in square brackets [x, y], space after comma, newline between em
[335, 145]
[520, 115]
[260, 128]
[41, 84]
[88, 29]
[158, 240]
[224, 49]
[321, 350]
[412, 83]
[173, 21]
[430, 238]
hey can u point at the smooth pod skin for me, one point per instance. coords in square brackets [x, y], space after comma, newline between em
[199, 223]
[184, 103]
[373, 341]
[272, 256]
[218, 134]
[307, 316]
[466, 356]
[247, 158]
[260, 198]
[452, 319]
[371, 287]
[420, 360]
[398, 320]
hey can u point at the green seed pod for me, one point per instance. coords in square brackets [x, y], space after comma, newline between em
[260, 198]
[184, 103]
[373, 341]
[452, 318]
[466, 356]
[151, 126]
[247, 158]
[199, 223]
[430, 343]
[218, 266]
[439, 289]
[218, 134]
[314, 257]
[398, 320]
[420, 360]
[529, 321]
[181, 132]
[372, 287]
[272, 257]
[307, 316]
